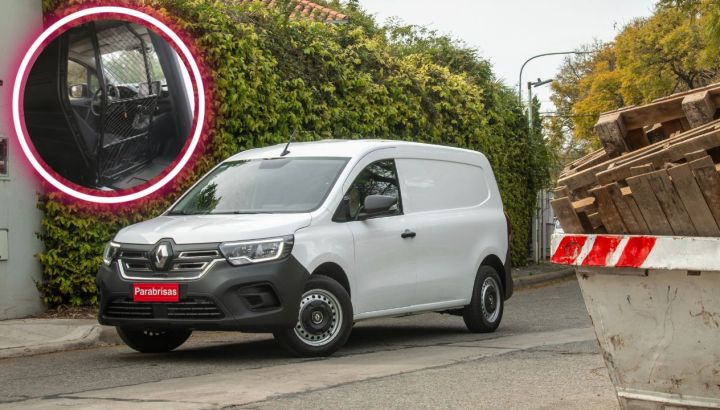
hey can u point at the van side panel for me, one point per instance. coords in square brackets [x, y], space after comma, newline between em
[456, 211]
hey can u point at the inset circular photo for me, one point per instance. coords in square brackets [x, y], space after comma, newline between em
[108, 104]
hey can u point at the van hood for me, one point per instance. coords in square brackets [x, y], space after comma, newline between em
[192, 229]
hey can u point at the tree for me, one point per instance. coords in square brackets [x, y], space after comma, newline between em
[673, 50]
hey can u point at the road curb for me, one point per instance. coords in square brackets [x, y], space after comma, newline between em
[83, 338]
[540, 279]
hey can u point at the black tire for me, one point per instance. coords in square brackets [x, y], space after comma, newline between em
[485, 311]
[153, 340]
[324, 321]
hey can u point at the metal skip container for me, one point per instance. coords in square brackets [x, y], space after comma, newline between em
[655, 305]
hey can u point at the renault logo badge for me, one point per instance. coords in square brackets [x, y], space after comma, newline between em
[161, 255]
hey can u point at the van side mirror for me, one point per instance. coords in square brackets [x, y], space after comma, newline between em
[376, 205]
[78, 91]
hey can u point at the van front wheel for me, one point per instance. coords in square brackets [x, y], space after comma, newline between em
[324, 320]
[485, 310]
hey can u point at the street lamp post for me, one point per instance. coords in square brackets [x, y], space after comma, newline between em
[530, 86]
[539, 235]
[543, 55]
[538, 228]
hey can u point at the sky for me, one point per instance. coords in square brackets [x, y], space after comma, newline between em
[507, 32]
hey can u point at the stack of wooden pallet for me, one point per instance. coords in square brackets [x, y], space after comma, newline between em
[657, 173]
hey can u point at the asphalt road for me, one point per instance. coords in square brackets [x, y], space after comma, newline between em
[543, 356]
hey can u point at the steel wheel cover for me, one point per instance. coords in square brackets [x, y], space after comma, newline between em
[490, 299]
[320, 318]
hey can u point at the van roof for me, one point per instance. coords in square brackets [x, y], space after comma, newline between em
[338, 148]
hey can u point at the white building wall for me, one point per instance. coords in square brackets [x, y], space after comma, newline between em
[18, 212]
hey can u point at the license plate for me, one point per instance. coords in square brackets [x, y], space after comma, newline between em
[156, 292]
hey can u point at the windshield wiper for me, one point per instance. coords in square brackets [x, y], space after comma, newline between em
[237, 213]
[183, 212]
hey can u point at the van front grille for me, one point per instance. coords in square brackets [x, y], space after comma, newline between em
[186, 262]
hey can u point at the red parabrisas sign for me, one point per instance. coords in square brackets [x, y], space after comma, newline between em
[156, 292]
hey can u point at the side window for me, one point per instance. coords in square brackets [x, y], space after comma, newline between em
[77, 80]
[3, 156]
[378, 178]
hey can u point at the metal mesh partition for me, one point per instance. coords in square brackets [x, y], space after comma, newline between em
[129, 100]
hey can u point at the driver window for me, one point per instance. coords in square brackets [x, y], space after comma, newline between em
[77, 80]
[378, 178]
[82, 81]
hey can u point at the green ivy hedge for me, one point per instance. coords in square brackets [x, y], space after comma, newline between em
[273, 76]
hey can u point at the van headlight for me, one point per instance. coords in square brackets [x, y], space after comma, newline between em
[110, 252]
[261, 250]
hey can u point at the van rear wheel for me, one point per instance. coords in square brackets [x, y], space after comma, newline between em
[324, 321]
[484, 313]
[153, 340]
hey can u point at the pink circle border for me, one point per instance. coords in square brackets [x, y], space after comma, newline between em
[20, 131]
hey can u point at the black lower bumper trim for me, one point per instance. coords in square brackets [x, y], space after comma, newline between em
[261, 297]
[188, 308]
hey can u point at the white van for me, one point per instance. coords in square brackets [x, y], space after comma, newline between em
[304, 239]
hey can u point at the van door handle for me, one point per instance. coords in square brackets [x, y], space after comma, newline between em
[408, 234]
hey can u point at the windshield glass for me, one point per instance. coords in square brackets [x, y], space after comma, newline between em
[279, 185]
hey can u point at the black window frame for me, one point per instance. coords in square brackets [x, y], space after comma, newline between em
[341, 214]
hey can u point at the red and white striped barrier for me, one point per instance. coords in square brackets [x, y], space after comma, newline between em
[642, 252]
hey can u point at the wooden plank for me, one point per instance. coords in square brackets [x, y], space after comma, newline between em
[692, 156]
[692, 198]
[611, 131]
[566, 215]
[588, 176]
[708, 179]
[649, 206]
[658, 159]
[609, 214]
[685, 124]
[655, 112]
[628, 217]
[596, 223]
[585, 221]
[635, 210]
[598, 159]
[584, 204]
[561, 192]
[705, 161]
[664, 109]
[641, 169]
[699, 108]
[671, 203]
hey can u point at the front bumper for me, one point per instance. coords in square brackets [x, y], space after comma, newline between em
[261, 297]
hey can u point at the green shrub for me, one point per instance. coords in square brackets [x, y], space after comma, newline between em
[273, 76]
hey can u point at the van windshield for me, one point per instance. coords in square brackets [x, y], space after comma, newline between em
[277, 185]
